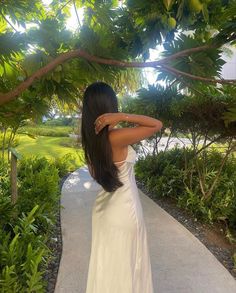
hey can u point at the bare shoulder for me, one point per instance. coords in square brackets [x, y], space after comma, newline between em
[115, 135]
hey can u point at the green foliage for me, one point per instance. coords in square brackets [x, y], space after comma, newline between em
[6, 210]
[206, 63]
[25, 228]
[4, 179]
[33, 172]
[167, 175]
[154, 101]
[21, 12]
[15, 114]
[110, 29]
[22, 252]
[163, 174]
[201, 112]
[64, 164]
[5, 141]
[230, 115]
[222, 204]
[62, 121]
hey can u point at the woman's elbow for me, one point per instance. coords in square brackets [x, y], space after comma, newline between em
[159, 125]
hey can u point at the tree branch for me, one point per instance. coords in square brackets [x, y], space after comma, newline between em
[186, 52]
[195, 77]
[7, 97]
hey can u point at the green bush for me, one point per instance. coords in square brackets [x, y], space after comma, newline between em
[14, 143]
[63, 121]
[222, 204]
[4, 179]
[23, 255]
[64, 164]
[163, 174]
[166, 175]
[38, 184]
[26, 227]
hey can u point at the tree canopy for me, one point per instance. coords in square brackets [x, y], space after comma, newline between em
[113, 40]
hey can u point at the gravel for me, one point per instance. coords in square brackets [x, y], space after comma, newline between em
[218, 244]
[56, 246]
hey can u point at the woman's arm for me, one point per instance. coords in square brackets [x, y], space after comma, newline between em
[141, 120]
[112, 119]
[146, 127]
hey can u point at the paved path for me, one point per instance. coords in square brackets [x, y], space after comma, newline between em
[180, 262]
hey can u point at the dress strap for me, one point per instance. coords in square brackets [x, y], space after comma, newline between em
[119, 162]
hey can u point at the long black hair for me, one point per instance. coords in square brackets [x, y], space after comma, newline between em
[99, 98]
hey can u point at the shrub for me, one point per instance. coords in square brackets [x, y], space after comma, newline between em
[166, 175]
[64, 164]
[63, 121]
[23, 256]
[38, 184]
[4, 179]
[163, 174]
[26, 227]
[14, 143]
[7, 210]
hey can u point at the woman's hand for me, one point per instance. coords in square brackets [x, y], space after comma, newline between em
[111, 119]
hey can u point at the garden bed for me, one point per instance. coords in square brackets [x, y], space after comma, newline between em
[56, 247]
[213, 237]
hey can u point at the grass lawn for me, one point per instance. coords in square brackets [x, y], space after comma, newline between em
[46, 130]
[49, 147]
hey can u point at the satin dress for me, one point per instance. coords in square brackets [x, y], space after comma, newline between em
[119, 259]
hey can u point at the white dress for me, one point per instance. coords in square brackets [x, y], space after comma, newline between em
[119, 260]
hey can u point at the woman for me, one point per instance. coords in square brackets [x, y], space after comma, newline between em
[119, 260]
